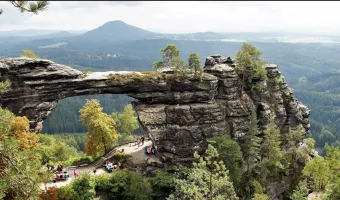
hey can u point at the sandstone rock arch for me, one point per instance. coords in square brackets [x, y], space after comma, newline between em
[177, 115]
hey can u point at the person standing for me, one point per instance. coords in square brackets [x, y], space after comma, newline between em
[78, 164]
[143, 140]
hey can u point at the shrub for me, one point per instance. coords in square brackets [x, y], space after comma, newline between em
[163, 183]
[102, 182]
[65, 192]
[5, 86]
[83, 188]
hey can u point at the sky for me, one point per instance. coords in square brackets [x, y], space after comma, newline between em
[181, 16]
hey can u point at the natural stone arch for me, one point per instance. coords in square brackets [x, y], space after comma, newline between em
[178, 115]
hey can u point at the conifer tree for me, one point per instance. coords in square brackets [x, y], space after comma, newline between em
[29, 6]
[208, 179]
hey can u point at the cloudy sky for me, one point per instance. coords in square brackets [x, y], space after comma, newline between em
[181, 17]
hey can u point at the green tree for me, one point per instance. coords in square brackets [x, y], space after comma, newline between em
[208, 179]
[168, 53]
[272, 162]
[231, 155]
[126, 122]
[195, 64]
[291, 145]
[83, 188]
[333, 160]
[29, 54]
[20, 171]
[180, 68]
[139, 188]
[102, 133]
[249, 64]
[171, 58]
[5, 86]
[301, 192]
[251, 155]
[31, 7]
[318, 172]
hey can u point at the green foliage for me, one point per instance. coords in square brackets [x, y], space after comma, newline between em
[208, 179]
[301, 192]
[31, 7]
[249, 62]
[21, 177]
[251, 156]
[5, 122]
[5, 86]
[126, 122]
[272, 163]
[65, 192]
[76, 140]
[168, 53]
[231, 155]
[162, 183]
[258, 87]
[83, 188]
[195, 64]
[139, 188]
[317, 171]
[29, 54]
[260, 197]
[101, 182]
[53, 151]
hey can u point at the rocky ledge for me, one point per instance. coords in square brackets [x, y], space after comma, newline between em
[177, 114]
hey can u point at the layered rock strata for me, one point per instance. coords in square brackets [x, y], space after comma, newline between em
[177, 115]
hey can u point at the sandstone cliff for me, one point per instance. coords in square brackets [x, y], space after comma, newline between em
[178, 115]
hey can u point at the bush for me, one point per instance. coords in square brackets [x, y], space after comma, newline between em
[83, 188]
[102, 182]
[65, 192]
[163, 183]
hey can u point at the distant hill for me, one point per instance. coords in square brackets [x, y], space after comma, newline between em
[117, 31]
[17, 39]
[35, 32]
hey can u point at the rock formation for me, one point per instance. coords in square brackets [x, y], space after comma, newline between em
[178, 115]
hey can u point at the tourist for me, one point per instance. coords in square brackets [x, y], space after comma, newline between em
[75, 174]
[143, 140]
[78, 164]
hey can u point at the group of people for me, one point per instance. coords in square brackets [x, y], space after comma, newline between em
[59, 168]
[109, 166]
[140, 140]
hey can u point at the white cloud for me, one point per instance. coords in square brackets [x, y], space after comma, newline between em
[181, 16]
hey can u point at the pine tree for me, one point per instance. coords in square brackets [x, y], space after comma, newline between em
[249, 64]
[272, 161]
[195, 64]
[208, 179]
[301, 192]
[251, 154]
[31, 7]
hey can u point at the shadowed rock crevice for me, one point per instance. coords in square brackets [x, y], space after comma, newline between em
[178, 115]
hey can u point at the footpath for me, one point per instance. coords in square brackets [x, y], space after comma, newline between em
[136, 152]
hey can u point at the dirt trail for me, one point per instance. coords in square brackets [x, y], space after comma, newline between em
[136, 152]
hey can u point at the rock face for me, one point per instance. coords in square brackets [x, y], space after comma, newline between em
[178, 115]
